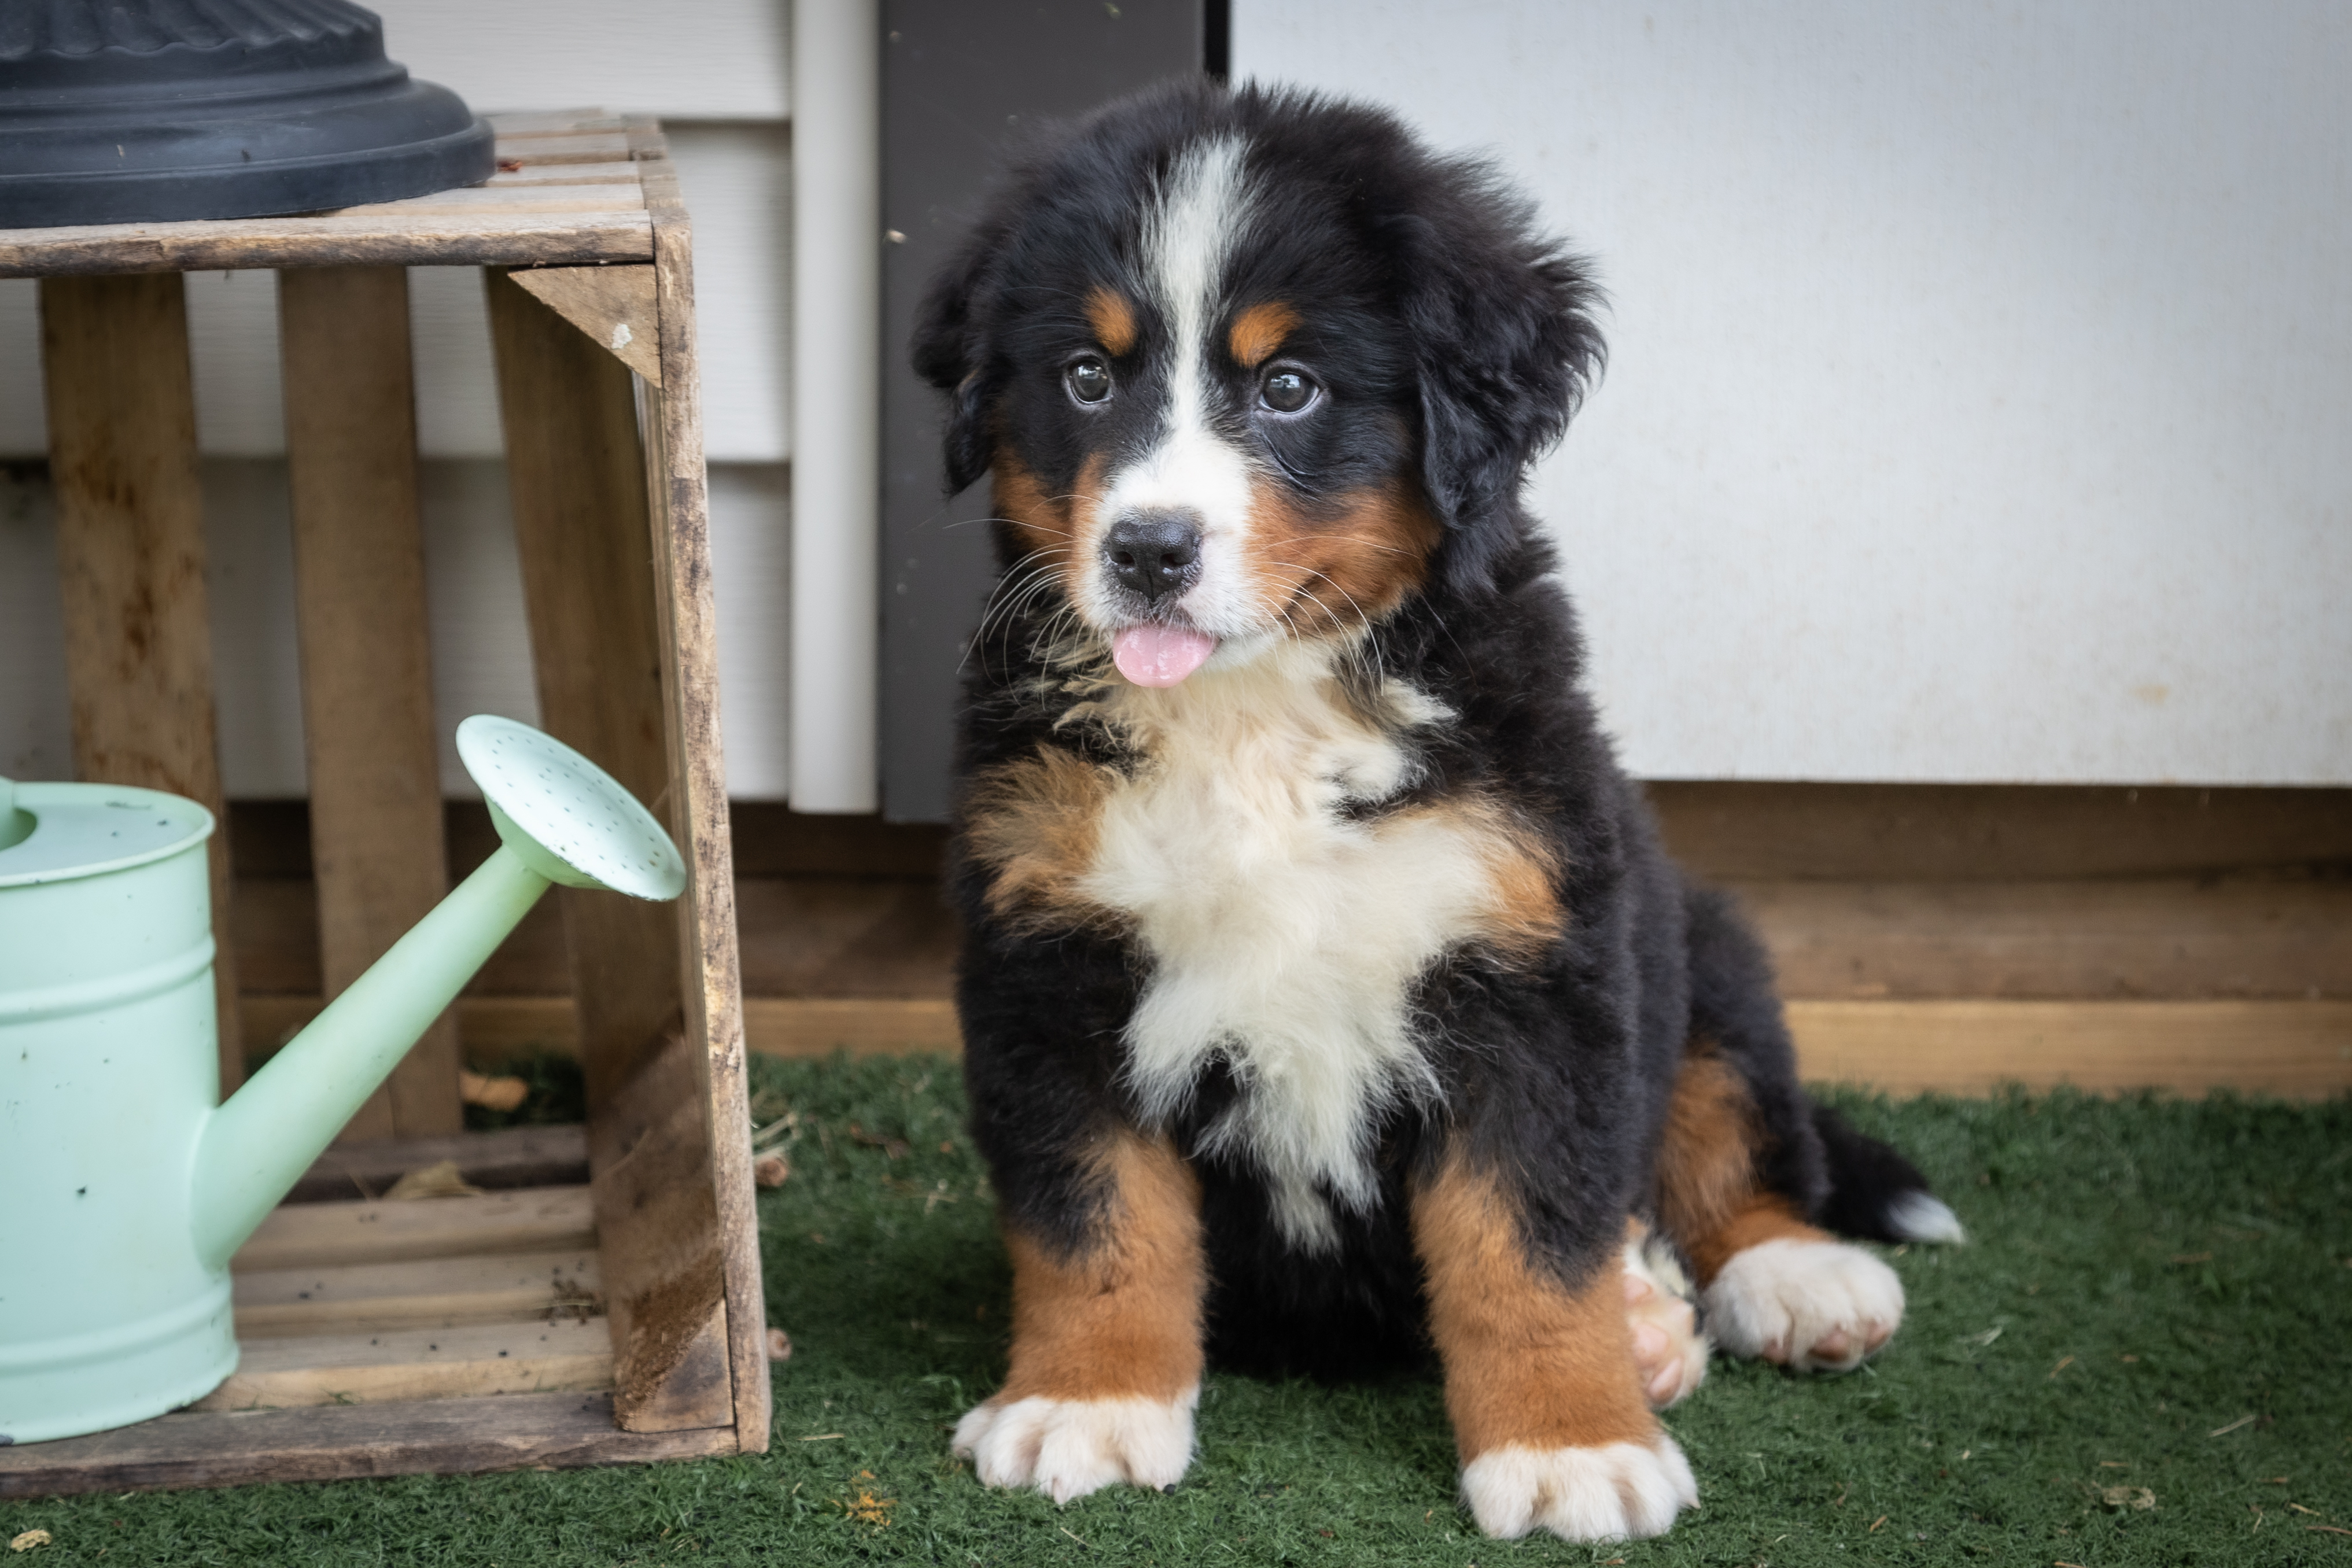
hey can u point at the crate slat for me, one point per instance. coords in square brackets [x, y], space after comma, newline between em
[367, 668]
[516, 238]
[529, 171]
[614, 305]
[591, 587]
[510, 1158]
[438, 1292]
[713, 994]
[313, 1235]
[491, 201]
[336, 1442]
[466, 1362]
[131, 561]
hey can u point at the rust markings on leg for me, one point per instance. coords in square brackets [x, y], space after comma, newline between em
[1710, 1199]
[1121, 1320]
[1528, 1361]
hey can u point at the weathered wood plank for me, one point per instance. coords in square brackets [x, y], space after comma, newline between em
[2238, 938]
[661, 1246]
[597, 595]
[575, 469]
[507, 201]
[1995, 832]
[2300, 1050]
[819, 1026]
[131, 561]
[393, 1364]
[677, 488]
[376, 846]
[614, 305]
[523, 171]
[445, 240]
[438, 1437]
[552, 122]
[509, 1157]
[433, 1292]
[322, 1235]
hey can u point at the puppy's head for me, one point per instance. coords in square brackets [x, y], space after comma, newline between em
[1251, 366]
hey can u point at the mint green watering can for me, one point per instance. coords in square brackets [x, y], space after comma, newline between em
[123, 1186]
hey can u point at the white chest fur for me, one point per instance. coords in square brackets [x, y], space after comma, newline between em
[1282, 936]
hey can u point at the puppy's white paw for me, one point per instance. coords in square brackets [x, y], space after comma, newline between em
[1816, 1306]
[1579, 1494]
[1068, 1447]
[1669, 1352]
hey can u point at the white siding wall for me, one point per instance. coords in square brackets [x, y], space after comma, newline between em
[1981, 400]
[717, 73]
[1976, 411]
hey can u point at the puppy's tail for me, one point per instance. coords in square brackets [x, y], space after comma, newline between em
[1875, 1193]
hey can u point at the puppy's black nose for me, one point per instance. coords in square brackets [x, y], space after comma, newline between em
[1155, 553]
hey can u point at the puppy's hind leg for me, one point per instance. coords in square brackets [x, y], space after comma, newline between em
[1774, 1286]
[1670, 1350]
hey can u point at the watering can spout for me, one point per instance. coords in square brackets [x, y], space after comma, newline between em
[559, 820]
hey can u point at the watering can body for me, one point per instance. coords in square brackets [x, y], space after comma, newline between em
[108, 1072]
[125, 1185]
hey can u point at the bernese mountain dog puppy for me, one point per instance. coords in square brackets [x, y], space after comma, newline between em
[1326, 997]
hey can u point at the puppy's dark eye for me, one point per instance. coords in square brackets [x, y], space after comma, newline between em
[1088, 379]
[1287, 392]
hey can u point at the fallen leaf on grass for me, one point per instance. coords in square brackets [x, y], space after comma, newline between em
[1874, 1524]
[29, 1540]
[2129, 1496]
[2062, 1366]
[771, 1170]
[822, 1438]
[2330, 1529]
[500, 1093]
[892, 1148]
[2240, 1421]
[866, 1508]
[780, 1345]
[441, 1180]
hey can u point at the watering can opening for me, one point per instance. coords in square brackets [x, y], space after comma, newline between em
[15, 825]
[565, 817]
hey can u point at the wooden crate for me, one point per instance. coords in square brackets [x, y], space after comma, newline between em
[612, 1318]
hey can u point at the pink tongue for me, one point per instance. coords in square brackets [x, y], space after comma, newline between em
[1161, 655]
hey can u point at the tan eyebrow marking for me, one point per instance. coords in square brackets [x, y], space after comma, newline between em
[1113, 319]
[1259, 330]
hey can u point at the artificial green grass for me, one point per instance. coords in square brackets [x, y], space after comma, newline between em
[2145, 1274]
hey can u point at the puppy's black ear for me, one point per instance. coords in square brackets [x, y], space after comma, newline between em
[952, 350]
[1505, 347]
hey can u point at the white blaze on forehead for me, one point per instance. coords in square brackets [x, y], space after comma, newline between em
[1198, 215]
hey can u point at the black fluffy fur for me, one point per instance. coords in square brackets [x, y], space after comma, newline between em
[1457, 343]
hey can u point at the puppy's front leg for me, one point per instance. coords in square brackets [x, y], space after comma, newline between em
[1105, 1366]
[1549, 1413]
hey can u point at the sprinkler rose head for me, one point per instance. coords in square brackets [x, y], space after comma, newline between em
[565, 817]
